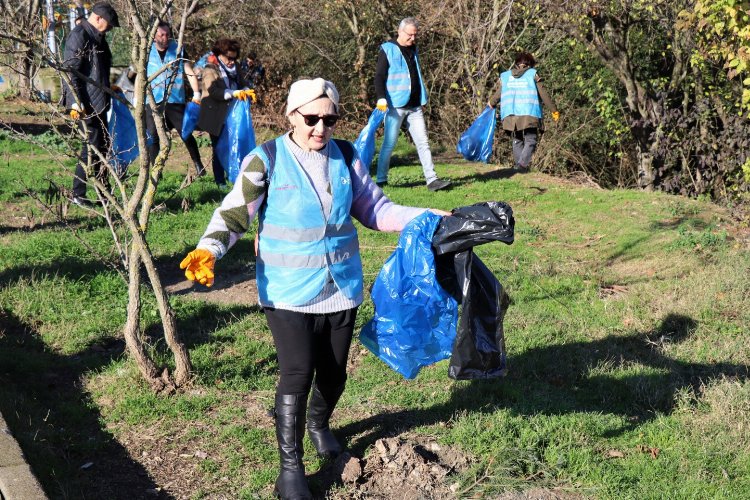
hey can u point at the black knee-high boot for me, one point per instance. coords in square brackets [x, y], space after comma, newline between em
[290, 430]
[322, 403]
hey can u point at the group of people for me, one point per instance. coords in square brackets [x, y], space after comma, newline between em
[305, 187]
[399, 87]
[88, 60]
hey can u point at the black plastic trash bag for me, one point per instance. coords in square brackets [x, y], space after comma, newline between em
[474, 225]
[479, 348]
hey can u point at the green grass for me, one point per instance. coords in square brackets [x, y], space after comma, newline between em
[626, 336]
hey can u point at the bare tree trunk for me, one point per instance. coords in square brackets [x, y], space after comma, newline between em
[140, 255]
[24, 67]
[352, 21]
[136, 216]
[183, 366]
[646, 176]
[132, 331]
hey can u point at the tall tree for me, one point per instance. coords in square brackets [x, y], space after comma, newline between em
[20, 21]
[129, 204]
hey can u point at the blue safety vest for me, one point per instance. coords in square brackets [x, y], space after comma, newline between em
[520, 96]
[170, 77]
[298, 249]
[398, 83]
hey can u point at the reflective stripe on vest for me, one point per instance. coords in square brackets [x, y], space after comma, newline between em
[519, 96]
[398, 83]
[171, 77]
[298, 250]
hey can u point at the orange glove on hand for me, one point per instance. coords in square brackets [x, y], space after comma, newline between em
[250, 93]
[239, 94]
[75, 112]
[199, 266]
[555, 115]
[382, 105]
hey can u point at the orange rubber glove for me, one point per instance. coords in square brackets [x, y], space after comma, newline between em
[250, 93]
[239, 94]
[199, 266]
[75, 112]
[555, 115]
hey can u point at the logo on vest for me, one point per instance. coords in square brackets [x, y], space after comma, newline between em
[344, 180]
[522, 84]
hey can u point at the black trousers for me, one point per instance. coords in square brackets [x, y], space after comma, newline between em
[173, 114]
[219, 174]
[97, 136]
[311, 346]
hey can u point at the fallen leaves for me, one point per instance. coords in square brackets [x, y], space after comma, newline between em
[654, 452]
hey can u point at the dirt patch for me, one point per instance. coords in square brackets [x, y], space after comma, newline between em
[169, 459]
[32, 117]
[237, 288]
[405, 467]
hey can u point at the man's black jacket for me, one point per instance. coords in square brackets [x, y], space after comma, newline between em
[87, 51]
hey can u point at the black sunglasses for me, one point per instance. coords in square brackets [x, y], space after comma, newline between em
[312, 120]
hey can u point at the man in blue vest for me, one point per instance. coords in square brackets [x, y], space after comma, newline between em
[169, 91]
[400, 90]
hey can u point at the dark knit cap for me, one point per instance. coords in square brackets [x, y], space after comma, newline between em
[106, 11]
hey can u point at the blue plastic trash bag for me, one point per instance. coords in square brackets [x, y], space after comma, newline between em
[365, 143]
[190, 119]
[237, 138]
[415, 318]
[123, 135]
[476, 143]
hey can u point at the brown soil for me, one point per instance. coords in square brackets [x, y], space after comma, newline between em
[228, 289]
[406, 467]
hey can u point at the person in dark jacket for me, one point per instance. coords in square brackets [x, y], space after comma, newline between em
[252, 68]
[521, 95]
[87, 61]
[222, 82]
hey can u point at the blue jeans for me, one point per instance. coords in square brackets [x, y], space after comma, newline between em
[415, 124]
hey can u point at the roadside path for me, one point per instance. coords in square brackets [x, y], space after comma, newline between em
[17, 482]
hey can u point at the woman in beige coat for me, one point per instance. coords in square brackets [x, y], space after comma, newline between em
[221, 83]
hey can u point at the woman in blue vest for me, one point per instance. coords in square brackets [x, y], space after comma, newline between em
[304, 188]
[520, 95]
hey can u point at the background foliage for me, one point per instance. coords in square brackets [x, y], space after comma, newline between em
[653, 93]
[658, 83]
